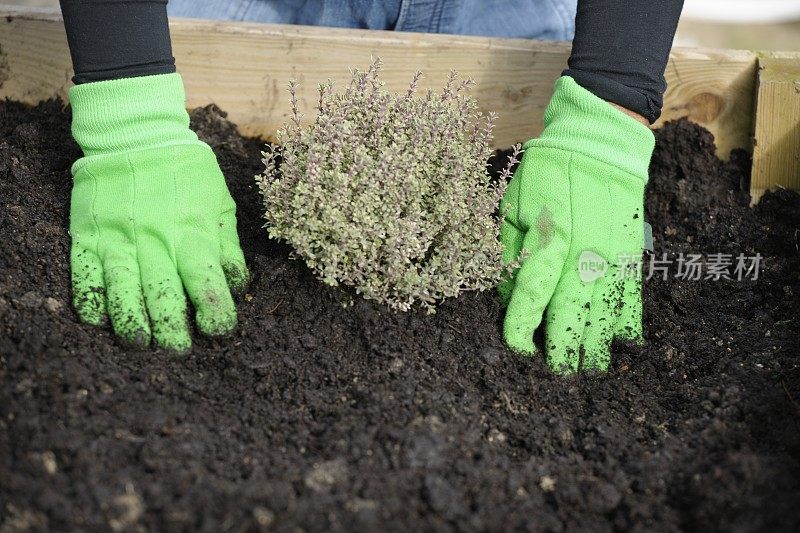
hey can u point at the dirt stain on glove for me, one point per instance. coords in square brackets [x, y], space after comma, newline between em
[545, 225]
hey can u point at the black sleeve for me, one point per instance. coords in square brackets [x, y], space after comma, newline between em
[621, 48]
[112, 39]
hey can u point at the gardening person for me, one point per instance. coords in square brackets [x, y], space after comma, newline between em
[151, 217]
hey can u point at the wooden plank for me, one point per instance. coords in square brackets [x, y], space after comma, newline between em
[715, 89]
[244, 68]
[776, 151]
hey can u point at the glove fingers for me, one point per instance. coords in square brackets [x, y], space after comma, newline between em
[88, 286]
[204, 280]
[567, 314]
[164, 298]
[599, 331]
[629, 283]
[535, 284]
[512, 238]
[629, 323]
[125, 303]
[232, 258]
[512, 235]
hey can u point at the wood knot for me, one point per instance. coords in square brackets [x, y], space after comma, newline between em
[705, 107]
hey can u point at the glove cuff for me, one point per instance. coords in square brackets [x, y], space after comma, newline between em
[130, 114]
[576, 120]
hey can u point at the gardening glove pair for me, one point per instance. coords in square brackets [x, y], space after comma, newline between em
[150, 216]
[574, 228]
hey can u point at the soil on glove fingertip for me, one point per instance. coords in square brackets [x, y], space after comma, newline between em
[315, 416]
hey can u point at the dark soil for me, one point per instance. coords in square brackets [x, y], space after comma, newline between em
[316, 416]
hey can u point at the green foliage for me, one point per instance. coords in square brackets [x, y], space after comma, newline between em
[389, 193]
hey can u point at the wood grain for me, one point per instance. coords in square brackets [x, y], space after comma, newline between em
[776, 154]
[244, 68]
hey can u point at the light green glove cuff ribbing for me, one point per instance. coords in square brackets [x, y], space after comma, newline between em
[129, 114]
[578, 121]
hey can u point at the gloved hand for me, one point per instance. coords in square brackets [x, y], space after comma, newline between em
[150, 216]
[574, 203]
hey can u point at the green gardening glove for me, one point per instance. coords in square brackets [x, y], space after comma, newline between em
[574, 209]
[151, 216]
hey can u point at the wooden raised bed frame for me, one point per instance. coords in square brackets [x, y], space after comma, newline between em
[746, 99]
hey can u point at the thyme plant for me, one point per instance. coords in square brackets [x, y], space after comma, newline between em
[389, 193]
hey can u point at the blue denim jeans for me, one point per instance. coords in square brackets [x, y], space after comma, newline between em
[528, 19]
